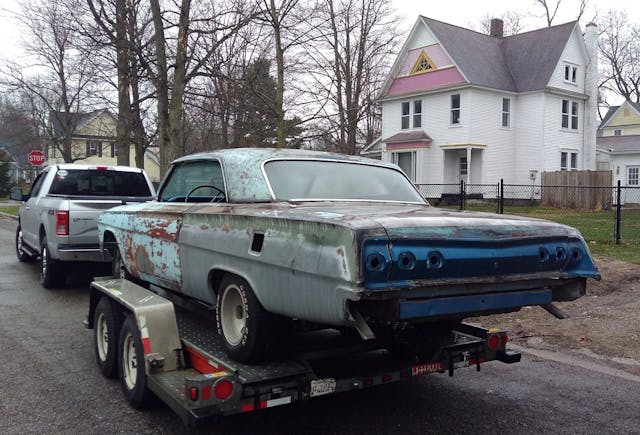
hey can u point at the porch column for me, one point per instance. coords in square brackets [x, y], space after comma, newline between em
[468, 165]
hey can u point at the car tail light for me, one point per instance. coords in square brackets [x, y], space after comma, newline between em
[223, 389]
[193, 393]
[62, 222]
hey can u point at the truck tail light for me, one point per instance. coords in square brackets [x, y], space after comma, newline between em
[62, 222]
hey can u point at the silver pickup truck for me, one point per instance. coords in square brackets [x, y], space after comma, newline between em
[58, 217]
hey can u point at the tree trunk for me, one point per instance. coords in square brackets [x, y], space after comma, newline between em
[123, 126]
[162, 90]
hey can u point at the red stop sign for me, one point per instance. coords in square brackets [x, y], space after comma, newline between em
[36, 158]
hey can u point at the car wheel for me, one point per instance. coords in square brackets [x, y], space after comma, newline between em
[21, 253]
[118, 269]
[51, 272]
[133, 378]
[106, 331]
[245, 326]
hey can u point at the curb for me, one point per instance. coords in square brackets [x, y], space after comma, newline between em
[10, 216]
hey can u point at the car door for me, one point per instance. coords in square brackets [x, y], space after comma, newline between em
[30, 215]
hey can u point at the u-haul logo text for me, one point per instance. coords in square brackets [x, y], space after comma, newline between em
[425, 369]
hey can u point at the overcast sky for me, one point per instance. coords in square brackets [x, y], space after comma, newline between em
[467, 13]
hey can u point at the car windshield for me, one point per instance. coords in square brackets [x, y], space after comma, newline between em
[334, 180]
[98, 182]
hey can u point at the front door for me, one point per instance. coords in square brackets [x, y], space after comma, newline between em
[463, 169]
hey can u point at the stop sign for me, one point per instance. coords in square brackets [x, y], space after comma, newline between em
[36, 158]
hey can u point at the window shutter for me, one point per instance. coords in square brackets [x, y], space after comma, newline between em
[113, 151]
[99, 146]
[88, 149]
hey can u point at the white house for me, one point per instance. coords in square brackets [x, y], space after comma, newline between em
[461, 105]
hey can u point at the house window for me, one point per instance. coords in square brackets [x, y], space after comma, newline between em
[506, 112]
[633, 176]
[407, 116]
[455, 109]
[417, 114]
[568, 161]
[423, 64]
[404, 118]
[570, 114]
[407, 162]
[94, 148]
[617, 132]
[464, 166]
[570, 73]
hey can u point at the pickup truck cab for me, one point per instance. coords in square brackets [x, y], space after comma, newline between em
[58, 217]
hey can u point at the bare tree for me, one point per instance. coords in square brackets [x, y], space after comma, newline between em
[619, 45]
[551, 9]
[512, 19]
[54, 71]
[358, 41]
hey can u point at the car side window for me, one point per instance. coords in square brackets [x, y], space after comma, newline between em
[37, 184]
[197, 181]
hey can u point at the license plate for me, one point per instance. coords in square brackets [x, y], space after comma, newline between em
[320, 387]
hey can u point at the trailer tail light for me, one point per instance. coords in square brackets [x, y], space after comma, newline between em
[223, 389]
[62, 222]
[193, 393]
[493, 341]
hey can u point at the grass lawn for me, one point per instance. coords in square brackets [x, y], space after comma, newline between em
[10, 209]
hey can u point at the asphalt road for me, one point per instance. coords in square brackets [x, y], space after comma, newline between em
[49, 384]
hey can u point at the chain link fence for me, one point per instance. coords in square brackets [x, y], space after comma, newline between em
[602, 214]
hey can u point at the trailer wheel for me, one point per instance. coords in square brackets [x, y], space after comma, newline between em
[106, 331]
[245, 326]
[21, 253]
[51, 273]
[133, 378]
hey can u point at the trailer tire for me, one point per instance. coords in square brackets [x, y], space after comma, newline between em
[21, 253]
[107, 321]
[51, 271]
[245, 326]
[133, 377]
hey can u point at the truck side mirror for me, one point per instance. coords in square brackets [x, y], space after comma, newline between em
[17, 195]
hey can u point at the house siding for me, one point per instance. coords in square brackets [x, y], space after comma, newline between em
[573, 54]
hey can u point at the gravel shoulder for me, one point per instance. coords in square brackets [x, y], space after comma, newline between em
[603, 325]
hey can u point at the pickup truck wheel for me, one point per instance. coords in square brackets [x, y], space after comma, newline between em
[133, 378]
[51, 273]
[21, 253]
[106, 329]
[245, 326]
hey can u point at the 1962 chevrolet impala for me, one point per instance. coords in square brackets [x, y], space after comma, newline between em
[336, 240]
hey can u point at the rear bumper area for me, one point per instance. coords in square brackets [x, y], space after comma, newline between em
[482, 303]
[91, 253]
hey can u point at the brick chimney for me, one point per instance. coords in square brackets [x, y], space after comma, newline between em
[496, 29]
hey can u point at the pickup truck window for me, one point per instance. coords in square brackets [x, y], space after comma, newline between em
[199, 181]
[37, 184]
[99, 182]
[329, 180]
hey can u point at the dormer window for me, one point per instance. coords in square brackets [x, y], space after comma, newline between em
[423, 64]
[570, 73]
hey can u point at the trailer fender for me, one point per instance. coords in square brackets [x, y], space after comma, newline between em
[154, 315]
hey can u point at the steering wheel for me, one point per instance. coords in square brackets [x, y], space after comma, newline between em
[218, 196]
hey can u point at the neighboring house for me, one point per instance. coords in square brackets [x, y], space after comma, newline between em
[618, 143]
[93, 140]
[14, 170]
[461, 105]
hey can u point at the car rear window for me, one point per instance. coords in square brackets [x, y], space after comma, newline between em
[98, 182]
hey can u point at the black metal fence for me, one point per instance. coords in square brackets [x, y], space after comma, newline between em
[602, 214]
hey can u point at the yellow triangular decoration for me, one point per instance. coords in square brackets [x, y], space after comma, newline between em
[423, 64]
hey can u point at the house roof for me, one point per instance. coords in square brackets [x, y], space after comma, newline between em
[5, 156]
[411, 136]
[612, 111]
[73, 119]
[518, 63]
[619, 144]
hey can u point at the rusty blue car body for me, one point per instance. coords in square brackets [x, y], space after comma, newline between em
[332, 239]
